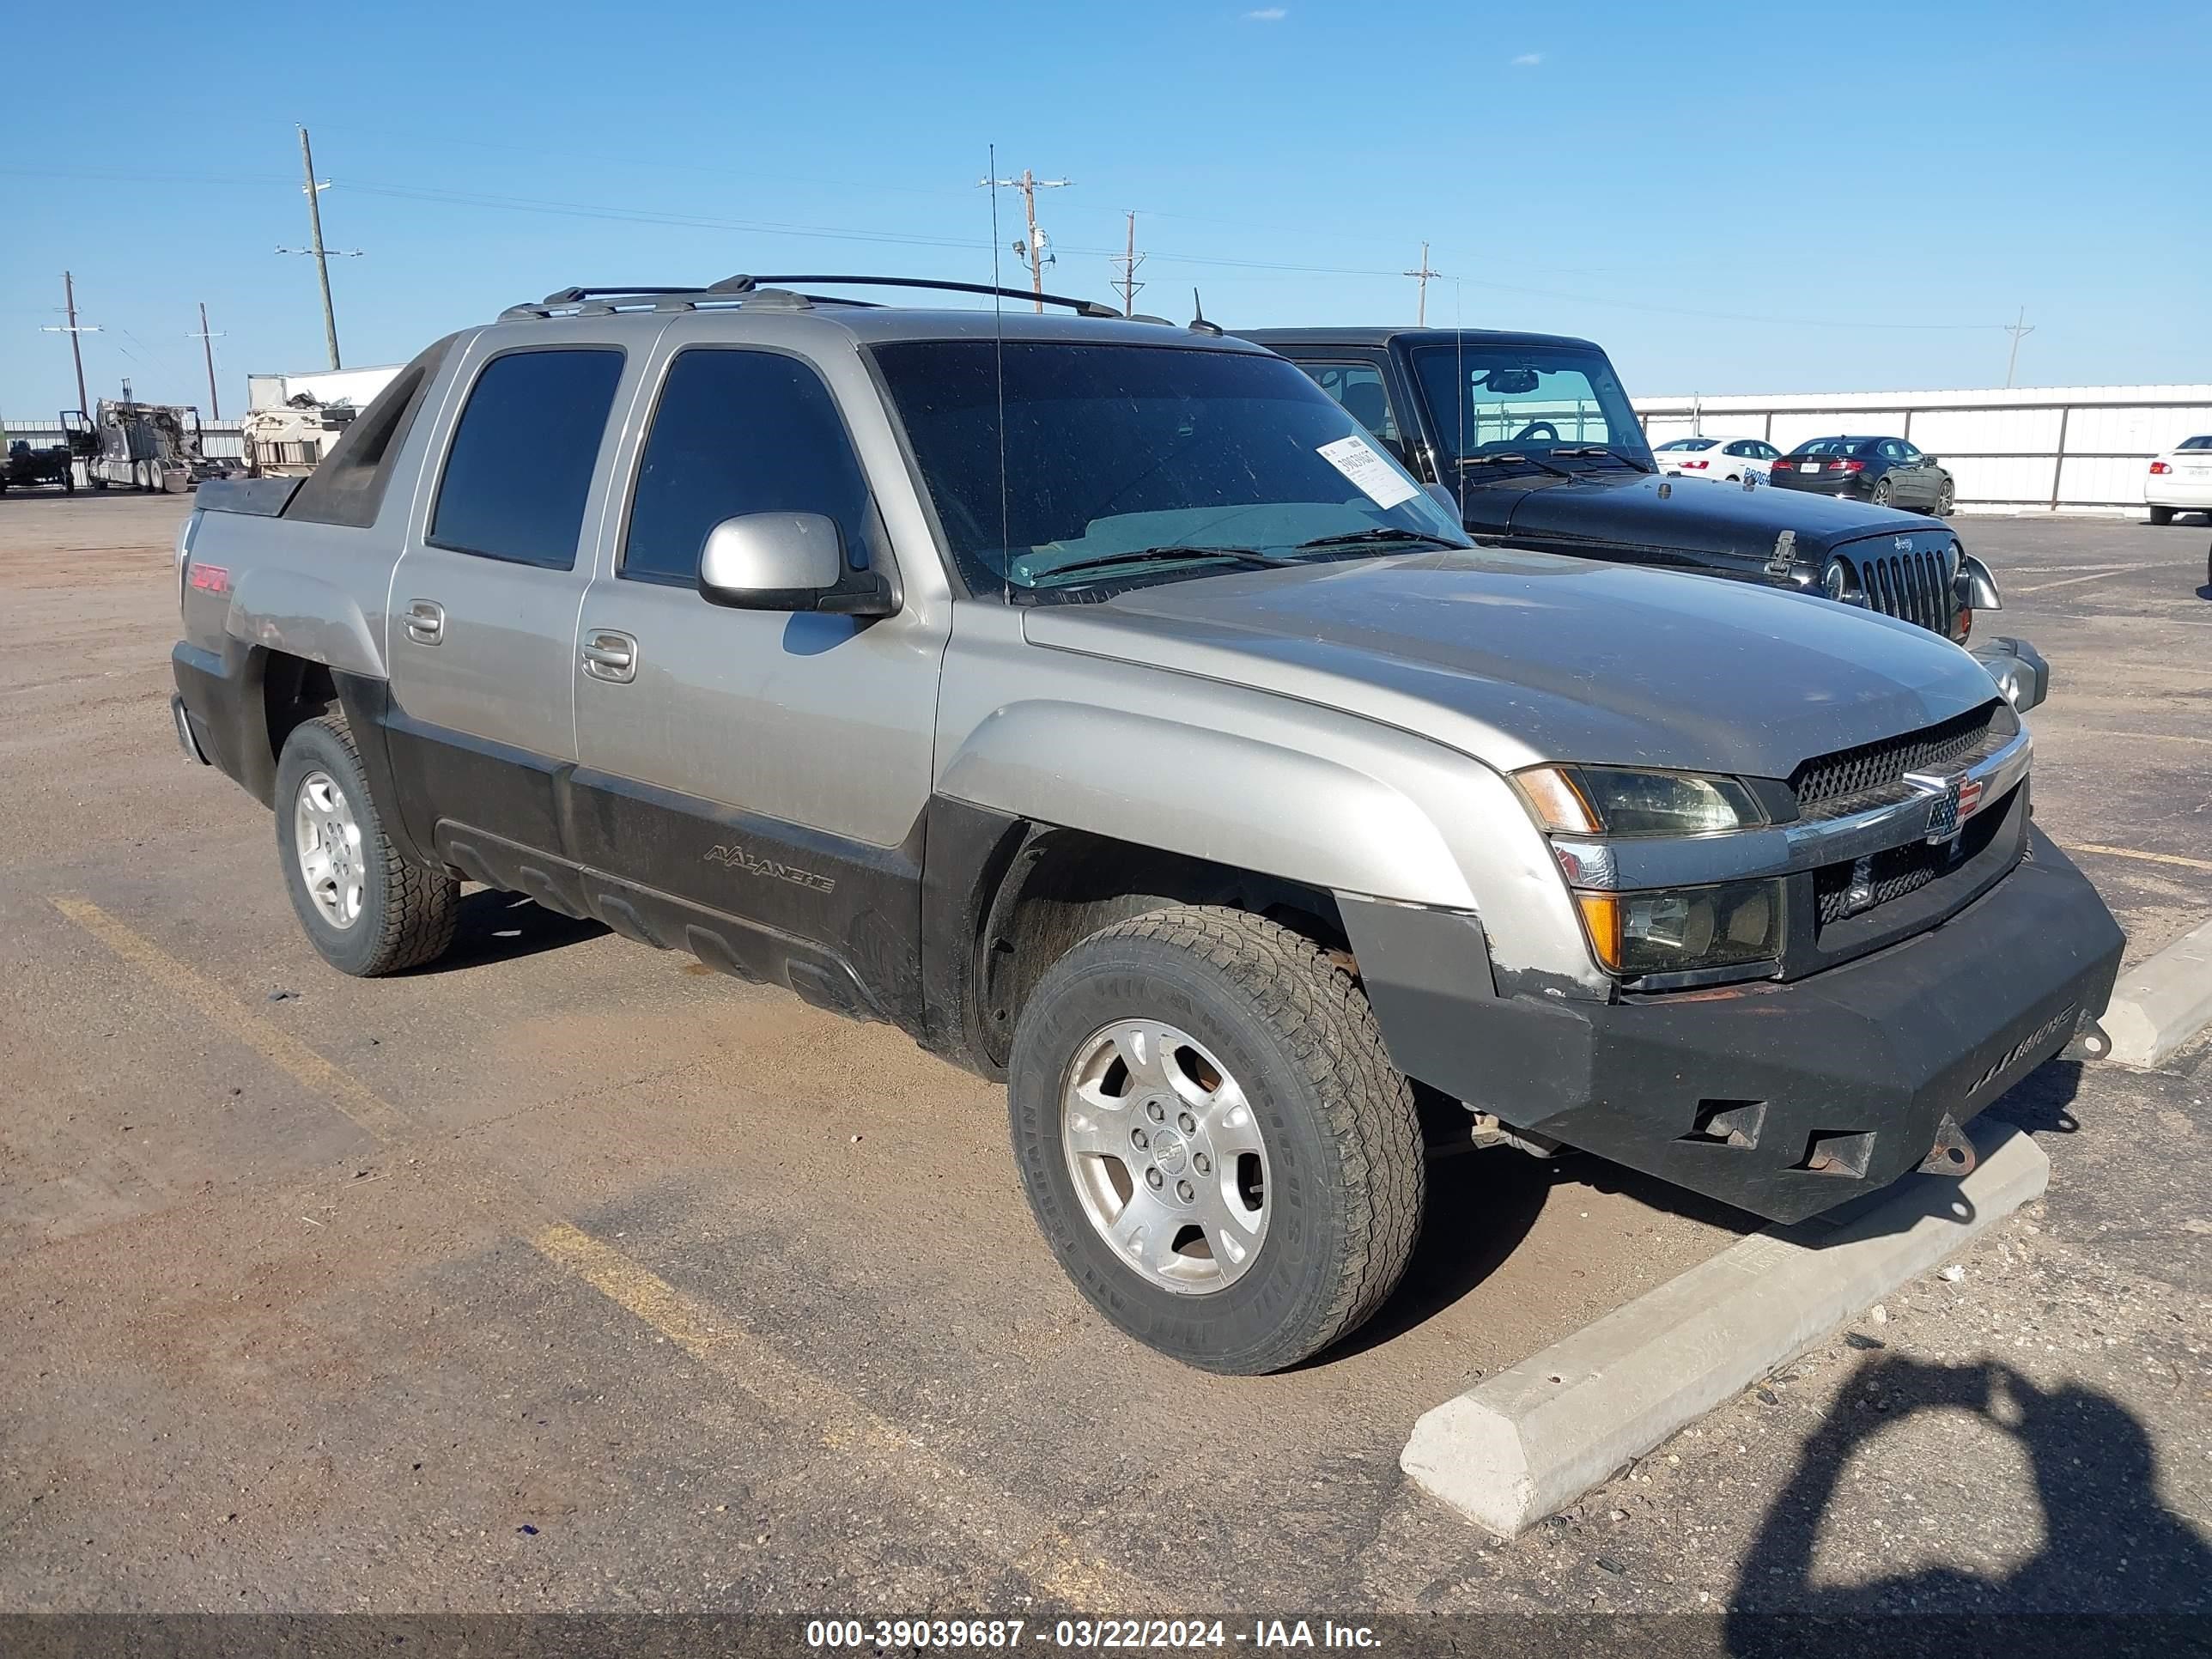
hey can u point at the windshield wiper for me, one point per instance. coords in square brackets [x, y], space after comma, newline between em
[1514, 456]
[1381, 533]
[1600, 449]
[1170, 553]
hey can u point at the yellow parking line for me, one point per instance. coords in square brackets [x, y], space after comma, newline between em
[1026, 1540]
[1040, 1552]
[217, 1005]
[2147, 858]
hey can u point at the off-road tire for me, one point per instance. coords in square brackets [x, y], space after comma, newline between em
[2161, 515]
[1343, 1137]
[408, 913]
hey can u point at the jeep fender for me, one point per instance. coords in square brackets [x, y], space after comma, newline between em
[284, 610]
[1323, 799]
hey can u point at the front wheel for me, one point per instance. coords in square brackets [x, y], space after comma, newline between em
[1213, 1138]
[1946, 499]
[365, 908]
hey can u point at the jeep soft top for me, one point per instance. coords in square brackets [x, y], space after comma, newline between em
[1095, 700]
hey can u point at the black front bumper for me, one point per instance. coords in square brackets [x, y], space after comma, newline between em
[1854, 1067]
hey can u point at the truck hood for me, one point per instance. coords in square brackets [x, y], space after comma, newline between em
[1516, 658]
[1627, 509]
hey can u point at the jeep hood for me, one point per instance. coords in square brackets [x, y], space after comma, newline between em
[1617, 509]
[1516, 657]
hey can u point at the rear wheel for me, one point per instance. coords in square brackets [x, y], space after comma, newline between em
[1212, 1138]
[366, 909]
[1883, 493]
[2161, 515]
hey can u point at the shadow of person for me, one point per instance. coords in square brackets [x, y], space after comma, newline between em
[2118, 1573]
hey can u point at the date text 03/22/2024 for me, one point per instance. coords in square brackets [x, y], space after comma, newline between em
[1086, 1633]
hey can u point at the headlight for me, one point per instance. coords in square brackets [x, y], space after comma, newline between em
[1837, 583]
[1683, 929]
[1608, 800]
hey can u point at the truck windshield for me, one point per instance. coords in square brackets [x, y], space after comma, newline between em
[1182, 458]
[1488, 400]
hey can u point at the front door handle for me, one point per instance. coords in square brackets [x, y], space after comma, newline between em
[612, 656]
[426, 621]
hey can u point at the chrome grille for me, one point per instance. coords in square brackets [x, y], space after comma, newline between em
[1828, 783]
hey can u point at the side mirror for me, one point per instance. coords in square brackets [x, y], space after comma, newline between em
[1975, 588]
[1929, 460]
[786, 561]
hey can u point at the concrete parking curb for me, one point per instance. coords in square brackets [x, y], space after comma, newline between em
[1527, 1443]
[2162, 1003]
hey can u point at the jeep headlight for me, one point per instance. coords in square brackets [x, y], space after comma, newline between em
[1611, 801]
[1684, 929]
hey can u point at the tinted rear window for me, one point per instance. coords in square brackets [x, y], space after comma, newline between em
[519, 470]
[1834, 447]
[2197, 443]
[1691, 443]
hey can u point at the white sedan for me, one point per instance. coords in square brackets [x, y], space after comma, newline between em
[2181, 481]
[1730, 459]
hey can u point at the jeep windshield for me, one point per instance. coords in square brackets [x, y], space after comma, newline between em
[1496, 408]
[1117, 465]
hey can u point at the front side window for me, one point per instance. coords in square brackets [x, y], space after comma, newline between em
[1360, 388]
[520, 469]
[1503, 400]
[1170, 462]
[734, 432]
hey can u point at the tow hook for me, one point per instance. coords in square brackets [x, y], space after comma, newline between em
[2090, 1041]
[1952, 1154]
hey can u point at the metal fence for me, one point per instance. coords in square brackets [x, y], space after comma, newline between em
[2083, 449]
[219, 441]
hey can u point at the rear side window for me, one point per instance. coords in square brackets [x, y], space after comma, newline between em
[739, 432]
[348, 487]
[519, 470]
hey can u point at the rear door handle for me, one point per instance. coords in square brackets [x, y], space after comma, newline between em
[426, 621]
[612, 656]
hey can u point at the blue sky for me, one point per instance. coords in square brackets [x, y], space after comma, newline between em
[1732, 199]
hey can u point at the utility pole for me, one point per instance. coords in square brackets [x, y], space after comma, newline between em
[1130, 260]
[76, 351]
[1029, 184]
[2017, 329]
[315, 245]
[1421, 320]
[207, 344]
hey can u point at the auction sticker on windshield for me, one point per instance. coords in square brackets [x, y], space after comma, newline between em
[1359, 461]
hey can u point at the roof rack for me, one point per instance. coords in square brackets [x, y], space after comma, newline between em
[772, 290]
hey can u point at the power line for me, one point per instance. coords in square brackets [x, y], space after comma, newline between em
[1029, 184]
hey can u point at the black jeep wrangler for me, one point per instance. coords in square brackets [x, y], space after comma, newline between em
[1532, 437]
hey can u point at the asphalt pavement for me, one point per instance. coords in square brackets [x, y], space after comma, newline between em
[570, 1277]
